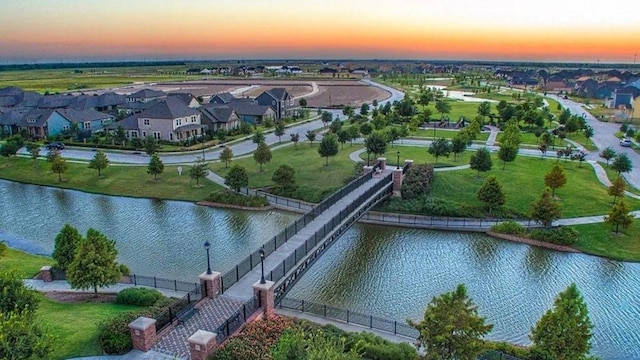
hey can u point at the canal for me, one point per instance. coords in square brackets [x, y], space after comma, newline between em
[384, 271]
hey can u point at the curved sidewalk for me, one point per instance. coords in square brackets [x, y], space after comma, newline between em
[63, 286]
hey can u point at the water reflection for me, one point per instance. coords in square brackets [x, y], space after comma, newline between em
[538, 261]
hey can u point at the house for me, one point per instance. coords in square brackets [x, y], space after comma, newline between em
[222, 98]
[187, 98]
[146, 95]
[129, 108]
[10, 121]
[34, 121]
[217, 117]
[55, 101]
[279, 100]
[635, 109]
[620, 99]
[252, 112]
[88, 120]
[169, 119]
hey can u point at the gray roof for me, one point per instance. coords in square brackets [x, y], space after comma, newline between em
[217, 113]
[12, 117]
[136, 105]
[147, 93]
[9, 100]
[110, 99]
[128, 123]
[186, 98]
[39, 115]
[30, 99]
[225, 97]
[80, 116]
[169, 108]
[11, 91]
[278, 93]
[55, 101]
[249, 108]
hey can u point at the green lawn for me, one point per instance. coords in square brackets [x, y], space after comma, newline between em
[75, 325]
[497, 96]
[599, 239]
[612, 175]
[449, 134]
[117, 180]
[523, 182]
[25, 265]
[468, 110]
[419, 155]
[553, 107]
[582, 140]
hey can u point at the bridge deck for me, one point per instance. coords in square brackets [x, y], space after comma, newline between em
[243, 288]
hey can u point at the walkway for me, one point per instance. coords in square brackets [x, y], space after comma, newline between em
[491, 141]
[63, 286]
[243, 289]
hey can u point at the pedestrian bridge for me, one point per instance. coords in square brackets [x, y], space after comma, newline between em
[290, 253]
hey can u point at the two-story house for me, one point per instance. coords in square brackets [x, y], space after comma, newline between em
[146, 95]
[35, 123]
[217, 117]
[87, 120]
[279, 100]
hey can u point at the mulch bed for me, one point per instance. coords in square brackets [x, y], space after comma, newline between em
[75, 297]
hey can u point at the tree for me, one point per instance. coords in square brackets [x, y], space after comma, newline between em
[451, 328]
[279, 130]
[120, 135]
[458, 145]
[364, 109]
[491, 193]
[156, 166]
[608, 154]
[284, 179]
[546, 209]
[507, 153]
[302, 102]
[555, 179]
[226, 155]
[199, 170]
[16, 298]
[366, 129]
[99, 162]
[616, 189]
[311, 136]
[328, 147]
[348, 111]
[295, 138]
[354, 132]
[262, 155]
[237, 178]
[151, 145]
[588, 133]
[622, 163]
[481, 161]
[440, 147]
[34, 150]
[326, 117]
[619, 216]
[136, 143]
[343, 136]
[564, 331]
[94, 264]
[65, 247]
[443, 107]
[59, 166]
[376, 144]
[484, 109]
[258, 137]
[8, 149]
[580, 156]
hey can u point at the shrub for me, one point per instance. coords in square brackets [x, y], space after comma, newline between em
[232, 198]
[138, 296]
[509, 227]
[417, 181]
[255, 341]
[124, 270]
[374, 347]
[509, 349]
[560, 235]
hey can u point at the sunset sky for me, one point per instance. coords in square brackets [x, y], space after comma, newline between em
[96, 30]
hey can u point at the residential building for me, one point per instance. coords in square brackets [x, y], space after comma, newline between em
[10, 120]
[146, 95]
[187, 98]
[217, 117]
[34, 121]
[279, 100]
[87, 120]
[251, 112]
[222, 98]
[620, 99]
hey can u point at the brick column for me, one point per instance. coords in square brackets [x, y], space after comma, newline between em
[202, 344]
[45, 273]
[383, 163]
[267, 296]
[143, 333]
[408, 162]
[366, 169]
[211, 283]
[397, 182]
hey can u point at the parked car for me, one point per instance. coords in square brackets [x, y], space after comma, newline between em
[625, 142]
[55, 145]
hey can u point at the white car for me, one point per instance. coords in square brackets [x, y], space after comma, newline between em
[625, 142]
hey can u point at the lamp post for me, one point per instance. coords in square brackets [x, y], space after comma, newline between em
[207, 246]
[434, 130]
[262, 281]
[398, 153]
[203, 157]
[368, 152]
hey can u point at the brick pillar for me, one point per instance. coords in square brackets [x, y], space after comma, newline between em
[383, 163]
[211, 283]
[267, 296]
[366, 169]
[408, 162]
[45, 273]
[397, 182]
[202, 344]
[143, 333]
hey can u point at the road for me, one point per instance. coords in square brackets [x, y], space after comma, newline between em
[604, 136]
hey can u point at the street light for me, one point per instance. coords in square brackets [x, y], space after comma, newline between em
[398, 167]
[368, 152]
[203, 158]
[262, 281]
[208, 246]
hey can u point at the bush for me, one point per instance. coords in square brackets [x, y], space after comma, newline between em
[374, 347]
[560, 235]
[232, 198]
[417, 181]
[138, 296]
[509, 227]
[255, 341]
[509, 349]
[124, 270]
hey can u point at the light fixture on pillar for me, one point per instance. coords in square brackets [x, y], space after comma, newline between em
[207, 246]
[262, 281]
[398, 166]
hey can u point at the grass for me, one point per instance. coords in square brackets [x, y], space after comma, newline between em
[553, 107]
[311, 172]
[599, 239]
[468, 110]
[448, 134]
[420, 155]
[612, 175]
[75, 325]
[582, 140]
[583, 195]
[25, 265]
[116, 180]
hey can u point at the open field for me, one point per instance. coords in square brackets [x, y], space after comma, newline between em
[353, 94]
[599, 239]
[25, 265]
[116, 180]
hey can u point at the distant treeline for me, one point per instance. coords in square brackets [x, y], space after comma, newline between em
[53, 66]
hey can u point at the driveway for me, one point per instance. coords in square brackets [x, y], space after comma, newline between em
[604, 136]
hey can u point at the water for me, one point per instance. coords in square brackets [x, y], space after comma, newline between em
[383, 271]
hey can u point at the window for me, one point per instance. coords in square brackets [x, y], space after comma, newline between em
[156, 135]
[87, 125]
[170, 136]
[146, 122]
[66, 127]
[31, 120]
[134, 134]
[144, 134]
[193, 119]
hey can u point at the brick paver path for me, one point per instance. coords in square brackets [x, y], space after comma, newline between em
[209, 317]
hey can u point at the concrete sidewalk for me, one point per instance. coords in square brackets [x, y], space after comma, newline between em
[63, 286]
[132, 355]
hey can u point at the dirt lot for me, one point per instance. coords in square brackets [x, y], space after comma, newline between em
[295, 90]
[72, 297]
[334, 95]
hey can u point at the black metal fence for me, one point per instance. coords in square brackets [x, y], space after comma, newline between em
[170, 314]
[442, 222]
[236, 320]
[350, 317]
[497, 355]
[162, 283]
[232, 276]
